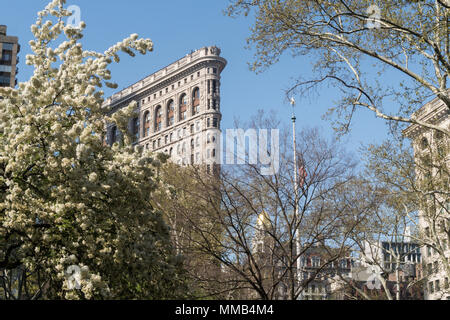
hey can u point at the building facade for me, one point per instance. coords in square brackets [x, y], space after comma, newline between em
[9, 48]
[179, 109]
[432, 159]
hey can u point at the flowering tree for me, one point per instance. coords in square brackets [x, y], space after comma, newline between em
[67, 199]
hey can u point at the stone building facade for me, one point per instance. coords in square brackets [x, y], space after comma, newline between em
[9, 48]
[432, 158]
[179, 109]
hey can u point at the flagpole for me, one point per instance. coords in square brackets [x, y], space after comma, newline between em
[297, 238]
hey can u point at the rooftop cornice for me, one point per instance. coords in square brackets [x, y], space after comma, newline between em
[432, 112]
[161, 78]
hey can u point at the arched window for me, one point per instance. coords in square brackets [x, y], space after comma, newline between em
[135, 128]
[113, 135]
[192, 144]
[195, 101]
[146, 123]
[170, 152]
[170, 113]
[424, 143]
[183, 107]
[158, 118]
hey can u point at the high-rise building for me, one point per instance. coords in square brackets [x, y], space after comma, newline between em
[432, 158]
[9, 48]
[179, 109]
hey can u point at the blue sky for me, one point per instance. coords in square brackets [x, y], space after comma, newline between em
[176, 27]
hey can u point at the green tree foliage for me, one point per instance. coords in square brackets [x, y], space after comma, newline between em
[353, 43]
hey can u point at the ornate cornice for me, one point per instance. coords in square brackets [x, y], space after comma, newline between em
[205, 57]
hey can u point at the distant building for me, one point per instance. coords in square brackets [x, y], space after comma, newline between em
[9, 48]
[432, 158]
[390, 255]
[321, 267]
[398, 262]
[321, 276]
[179, 109]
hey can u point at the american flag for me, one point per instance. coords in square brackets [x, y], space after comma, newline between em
[301, 173]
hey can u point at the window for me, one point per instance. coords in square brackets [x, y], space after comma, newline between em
[170, 113]
[113, 135]
[197, 142]
[198, 74]
[135, 128]
[213, 153]
[214, 70]
[166, 139]
[207, 123]
[315, 261]
[159, 142]
[208, 138]
[424, 143]
[146, 123]
[215, 123]
[430, 287]
[8, 46]
[192, 128]
[195, 101]
[158, 118]
[183, 107]
[446, 283]
[437, 286]
[429, 268]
